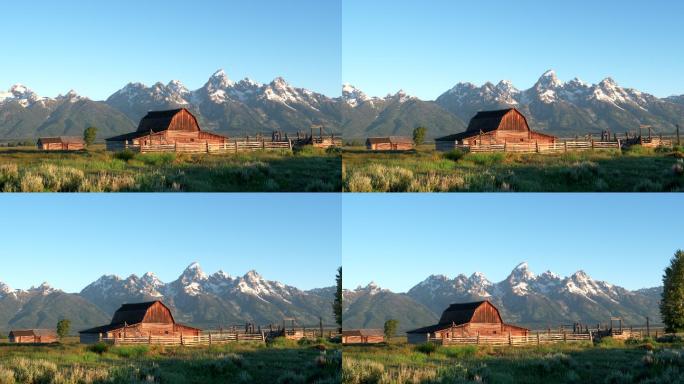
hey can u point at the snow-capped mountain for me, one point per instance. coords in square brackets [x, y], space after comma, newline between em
[567, 108]
[540, 300]
[395, 114]
[227, 106]
[210, 299]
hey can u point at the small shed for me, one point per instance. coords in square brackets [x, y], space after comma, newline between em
[60, 143]
[389, 143]
[495, 127]
[464, 320]
[138, 320]
[32, 336]
[363, 336]
[165, 128]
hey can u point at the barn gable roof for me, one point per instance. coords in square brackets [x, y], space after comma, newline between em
[461, 313]
[160, 120]
[135, 313]
[482, 122]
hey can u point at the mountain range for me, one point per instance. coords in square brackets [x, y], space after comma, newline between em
[221, 105]
[535, 301]
[206, 301]
[247, 107]
[561, 108]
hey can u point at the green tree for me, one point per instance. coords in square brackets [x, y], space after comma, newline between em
[337, 304]
[672, 303]
[419, 135]
[63, 327]
[390, 329]
[89, 135]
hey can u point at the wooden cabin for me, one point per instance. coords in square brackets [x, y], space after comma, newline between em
[147, 319]
[363, 336]
[389, 143]
[466, 320]
[60, 143]
[495, 127]
[32, 336]
[165, 128]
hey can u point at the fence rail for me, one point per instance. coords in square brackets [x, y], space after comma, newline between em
[539, 338]
[204, 339]
[227, 147]
[541, 147]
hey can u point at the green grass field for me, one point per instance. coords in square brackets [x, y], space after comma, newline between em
[283, 361]
[610, 362]
[25, 169]
[426, 170]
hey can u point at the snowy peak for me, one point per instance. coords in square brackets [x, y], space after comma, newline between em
[219, 80]
[193, 273]
[43, 289]
[353, 96]
[548, 80]
[21, 94]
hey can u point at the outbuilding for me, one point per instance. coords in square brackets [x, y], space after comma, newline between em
[139, 320]
[363, 336]
[389, 143]
[495, 127]
[479, 318]
[60, 143]
[32, 336]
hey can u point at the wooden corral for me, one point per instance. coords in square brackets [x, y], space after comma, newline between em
[363, 336]
[60, 143]
[165, 128]
[139, 320]
[389, 143]
[475, 319]
[320, 140]
[494, 127]
[32, 336]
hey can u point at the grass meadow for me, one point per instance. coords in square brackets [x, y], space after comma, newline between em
[25, 169]
[637, 169]
[279, 362]
[609, 361]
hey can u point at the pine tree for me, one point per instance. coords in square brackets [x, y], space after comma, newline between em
[390, 329]
[672, 303]
[337, 304]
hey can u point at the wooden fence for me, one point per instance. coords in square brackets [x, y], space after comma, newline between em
[564, 146]
[533, 339]
[227, 147]
[206, 338]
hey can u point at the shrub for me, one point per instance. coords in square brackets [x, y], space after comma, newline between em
[99, 348]
[455, 155]
[361, 372]
[678, 168]
[333, 150]
[157, 159]
[124, 155]
[357, 182]
[486, 159]
[608, 342]
[133, 351]
[31, 183]
[426, 348]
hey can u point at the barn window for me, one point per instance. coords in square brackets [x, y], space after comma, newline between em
[166, 332]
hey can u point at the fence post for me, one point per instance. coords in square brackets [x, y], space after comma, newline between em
[207, 146]
[263, 336]
[149, 338]
[478, 337]
[181, 337]
[565, 143]
[565, 337]
[537, 337]
[510, 342]
[209, 337]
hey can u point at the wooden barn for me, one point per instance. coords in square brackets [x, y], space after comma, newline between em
[138, 320]
[465, 320]
[60, 143]
[164, 128]
[32, 336]
[389, 143]
[363, 336]
[494, 127]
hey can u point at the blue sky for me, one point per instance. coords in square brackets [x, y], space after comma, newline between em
[399, 240]
[425, 47]
[71, 240]
[96, 47]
